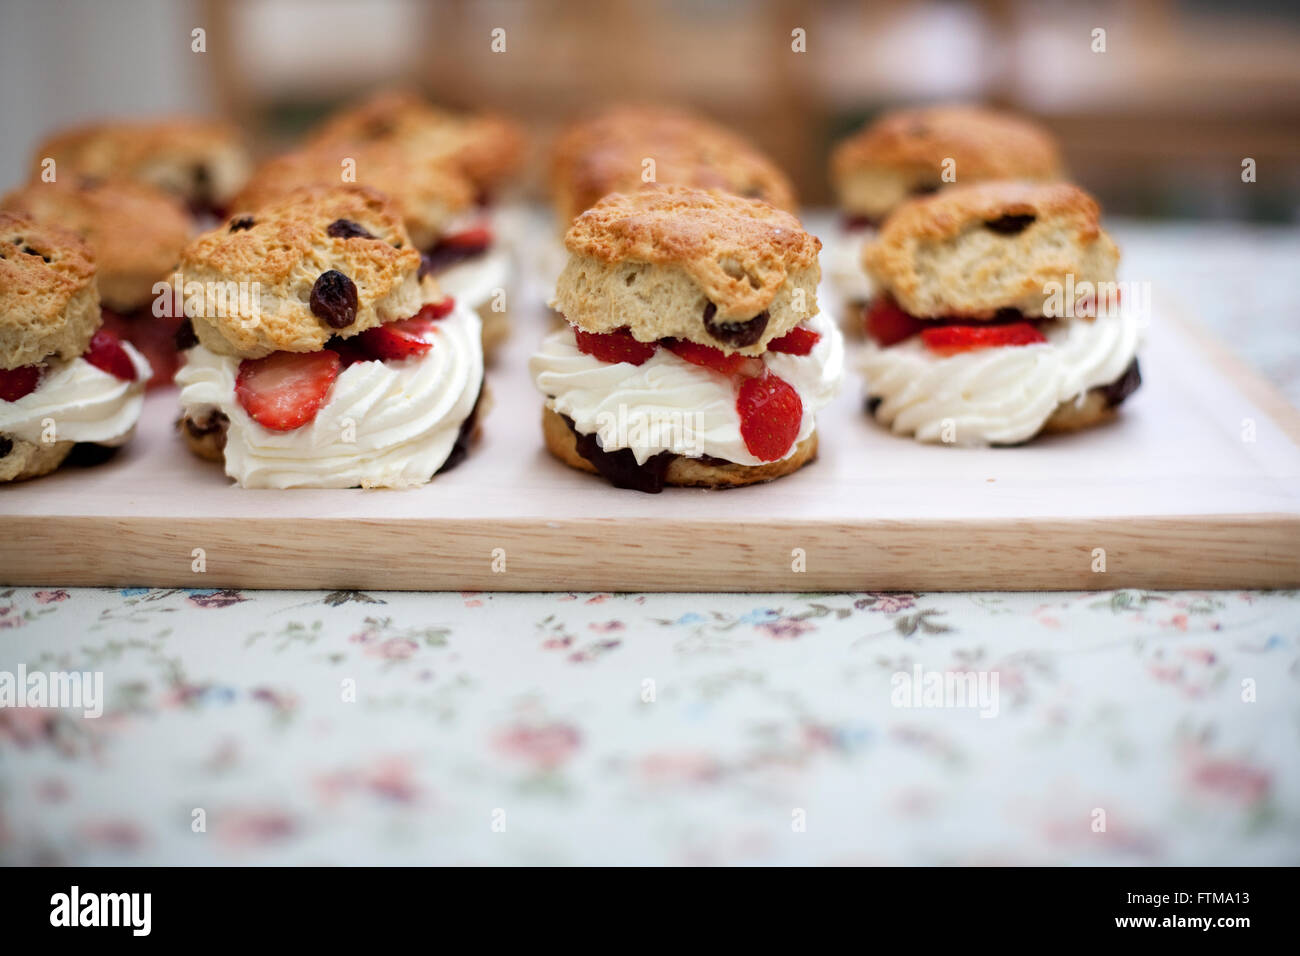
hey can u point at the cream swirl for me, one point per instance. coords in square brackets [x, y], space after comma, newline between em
[669, 404]
[84, 403]
[384, 425]
[997, 395]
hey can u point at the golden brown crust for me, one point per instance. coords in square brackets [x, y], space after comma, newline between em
[201, 160]
[284, 250]
[905, 150]
[687, 248]
[484, 147]
[606, 154]
[682, 472]
[429, 193]
[972, 250]
[1095, 409]
[135, 231]
[205, 439]
[48, 301]
[26, 460]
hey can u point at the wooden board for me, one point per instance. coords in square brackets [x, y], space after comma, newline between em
[1172, 493]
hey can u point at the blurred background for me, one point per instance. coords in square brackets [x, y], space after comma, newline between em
[1157, 125]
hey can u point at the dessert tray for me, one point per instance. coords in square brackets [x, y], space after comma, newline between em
[1197, 485]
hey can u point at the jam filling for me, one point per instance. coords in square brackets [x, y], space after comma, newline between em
[620, 467]
[153, 336]
[887, 324]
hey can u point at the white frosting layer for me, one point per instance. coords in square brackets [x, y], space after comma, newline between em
[669, 404]
[476, 280]
[998, 395]
[85, 403]
[844, 266]
[385, 424]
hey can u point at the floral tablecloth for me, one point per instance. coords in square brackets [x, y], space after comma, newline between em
[303, 727]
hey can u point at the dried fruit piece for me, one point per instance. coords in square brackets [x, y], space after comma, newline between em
[334, 299]
[770, 415]
[736, 334]
[347, 229]
[616, 346]
[285, 390]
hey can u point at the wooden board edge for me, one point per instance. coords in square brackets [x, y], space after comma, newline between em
[604, 554]
[1245, 377]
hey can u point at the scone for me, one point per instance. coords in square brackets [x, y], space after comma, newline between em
[136, 233]
[696, 354]
[336, 365]
[468, 254]
[997, 317]
[63, 379]
[201, 161]
[914, 152]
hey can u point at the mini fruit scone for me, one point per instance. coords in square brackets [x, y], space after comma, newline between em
[695, 353]
[997, 316]
[136, 233]
[202, 161]
[336, 366]
[915, 152]
[611, 151]
[63, 379]
[467, 254]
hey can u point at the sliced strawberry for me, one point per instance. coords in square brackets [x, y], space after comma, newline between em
[20, 381]
[436, 310]
[285, 390]
[716, 359]
[964, 338]
[396, 340]
[798, 341]
[105, 352]
[616, 346]
[887, 324]
[476, 237]
[770, 415]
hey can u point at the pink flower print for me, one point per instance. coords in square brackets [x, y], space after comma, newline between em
[785, 628]
[1233, 779]
[680, 768]
[887, 603]
[49, 597]
[545, 747]
[606, 627]
[223, 598]
[253, 827]
[394, 649]
[8, 619]
[112, 834]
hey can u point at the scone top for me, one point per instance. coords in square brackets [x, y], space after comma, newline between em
[323, 262]
[484, 148]
[430, 192]
[677, 262]
[48, 302]
[608, 153]
[974, 251]
[903, 154]
[202, 161]
[136, 231]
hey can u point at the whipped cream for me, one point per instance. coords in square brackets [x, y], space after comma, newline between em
[998, 395]
[85, 403]
[844, 266]
[669, 404]
[476, 280]
[384, 425]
